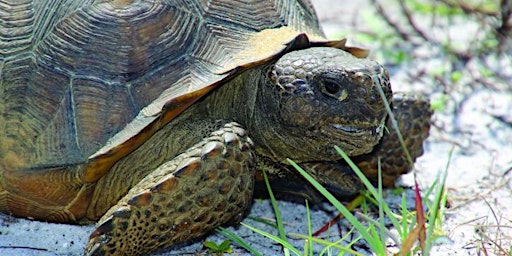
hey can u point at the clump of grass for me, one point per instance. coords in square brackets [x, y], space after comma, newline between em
[417, 230]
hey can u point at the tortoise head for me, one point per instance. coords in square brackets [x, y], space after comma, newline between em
[320, 97]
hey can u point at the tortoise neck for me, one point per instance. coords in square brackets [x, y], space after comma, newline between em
[251, 100]
[233, 101]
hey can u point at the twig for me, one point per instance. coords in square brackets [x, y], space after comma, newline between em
[24, 248]
[404, 35]
[504, 31]
[413, 25]
[468, 9]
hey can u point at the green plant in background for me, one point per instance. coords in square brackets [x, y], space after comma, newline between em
[394, 27]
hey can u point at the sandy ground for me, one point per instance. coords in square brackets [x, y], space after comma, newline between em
[475, 125]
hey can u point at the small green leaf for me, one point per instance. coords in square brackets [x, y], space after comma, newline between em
[397, 191]
[224, 247]
[486, 72]
[456, 76]
[439, 103]
[437, 71]
[211, 245]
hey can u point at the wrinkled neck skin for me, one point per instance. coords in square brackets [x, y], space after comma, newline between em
[251, 100]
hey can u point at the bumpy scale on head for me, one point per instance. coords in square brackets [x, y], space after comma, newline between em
[294, 72]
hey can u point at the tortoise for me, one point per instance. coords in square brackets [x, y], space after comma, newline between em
[153, 118]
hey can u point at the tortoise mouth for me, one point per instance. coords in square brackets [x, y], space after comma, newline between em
[350, 132]
[353, 129]
[353, 139]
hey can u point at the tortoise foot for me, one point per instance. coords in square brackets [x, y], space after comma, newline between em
[209, 185]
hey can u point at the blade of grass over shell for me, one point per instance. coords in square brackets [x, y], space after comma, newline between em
[394, 123]
[375, 244]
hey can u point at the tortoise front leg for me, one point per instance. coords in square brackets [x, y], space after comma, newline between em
[209, 185]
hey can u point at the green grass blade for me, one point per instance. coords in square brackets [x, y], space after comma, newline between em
[267, 222]
[438, 199]
[370, 187]
[281, 241]
[382, 226]
[333, 245]
[394, 123]
[405, 215]
[279, 220]
[383, 229]
[310, 232]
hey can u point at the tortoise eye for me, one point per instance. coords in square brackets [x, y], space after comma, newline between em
[331, 87]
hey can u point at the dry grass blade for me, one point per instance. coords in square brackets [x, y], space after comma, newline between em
[419, 231]
[420, 216]
[408, 244]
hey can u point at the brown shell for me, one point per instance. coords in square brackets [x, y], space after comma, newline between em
[86, 82]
